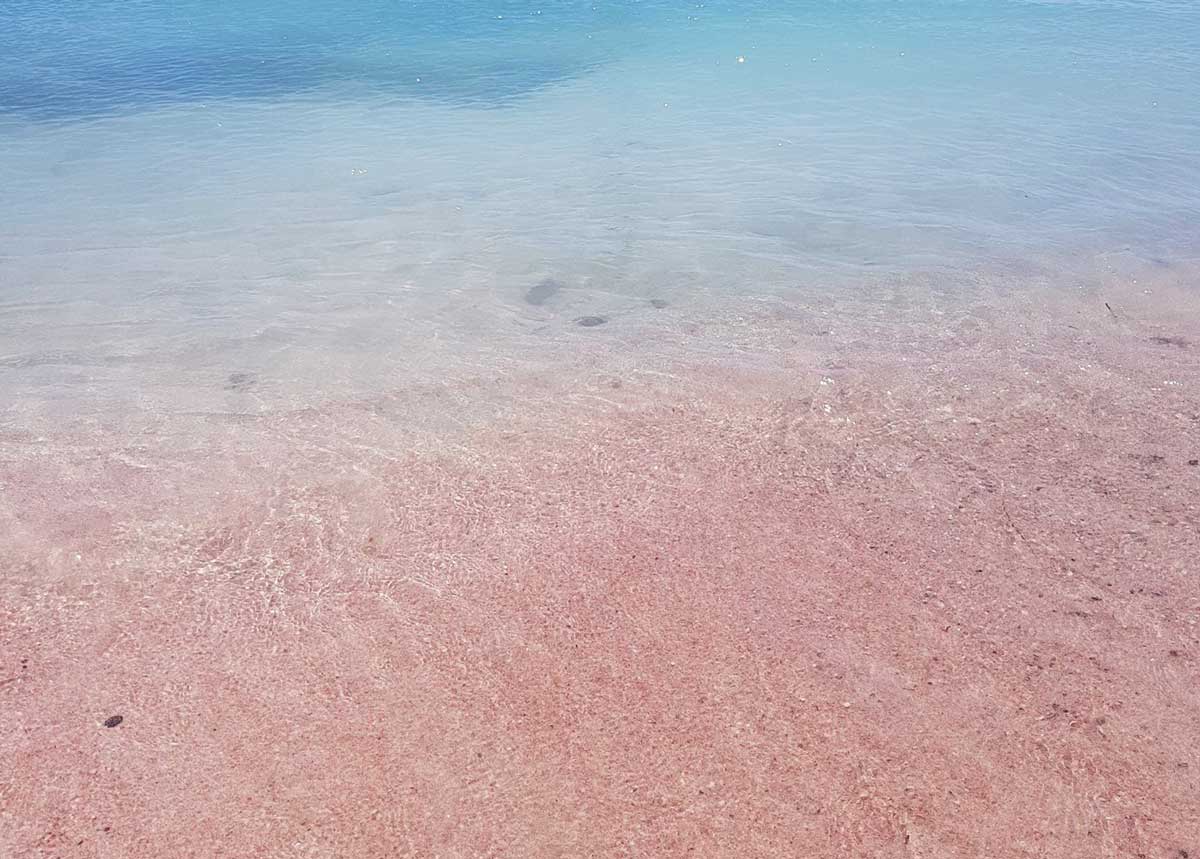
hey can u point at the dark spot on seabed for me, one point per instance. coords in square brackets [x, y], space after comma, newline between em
[113, 721]
[658, 303]
[591, 321]
[241, 382]
[1170, 341]
[542, 292]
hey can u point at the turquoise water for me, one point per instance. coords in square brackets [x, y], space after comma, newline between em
[176, 178]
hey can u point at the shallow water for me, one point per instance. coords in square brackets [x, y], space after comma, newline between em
[178, 181]
[743, 429]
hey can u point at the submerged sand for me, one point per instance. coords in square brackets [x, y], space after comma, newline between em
[903, 573]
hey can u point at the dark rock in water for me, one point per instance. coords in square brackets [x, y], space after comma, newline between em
[591, 321]
[543, 292]
[658, 303]
[113, 721]
[241, 382]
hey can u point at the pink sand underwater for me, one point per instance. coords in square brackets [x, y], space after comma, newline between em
[905, 574]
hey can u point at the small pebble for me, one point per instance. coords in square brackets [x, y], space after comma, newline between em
[113, 721]
[542, 292]
[240, 382]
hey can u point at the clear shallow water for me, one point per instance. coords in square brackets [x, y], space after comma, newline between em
[197, 186]
[265, 272]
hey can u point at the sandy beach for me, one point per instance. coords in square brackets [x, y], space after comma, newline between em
[903, 572]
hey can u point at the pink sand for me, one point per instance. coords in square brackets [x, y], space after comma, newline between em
[881, 578]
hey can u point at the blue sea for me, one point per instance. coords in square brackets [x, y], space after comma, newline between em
[326, 193]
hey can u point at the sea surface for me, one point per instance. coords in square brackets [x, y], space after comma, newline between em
[314, 191]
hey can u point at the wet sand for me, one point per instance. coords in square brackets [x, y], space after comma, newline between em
[897, 574]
